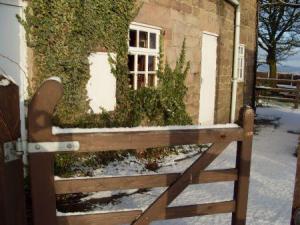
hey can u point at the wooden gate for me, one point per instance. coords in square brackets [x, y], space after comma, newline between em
[12, 200]
[43, 145]
[296, 203]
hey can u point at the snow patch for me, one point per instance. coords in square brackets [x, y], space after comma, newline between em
[9, 78]
[286, 86]
[58, 130]
[4, 82]
[60, 214]
[55, 79]
[271, 185]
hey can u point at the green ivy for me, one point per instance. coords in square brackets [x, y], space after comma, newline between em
[63, 33]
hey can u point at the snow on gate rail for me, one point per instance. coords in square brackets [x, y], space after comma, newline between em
[44, 187]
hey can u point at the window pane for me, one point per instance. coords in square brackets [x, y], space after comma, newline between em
[141, 63]
[151, 63]
[151, 80]
[133, 38]
[153, 41]
[141, 81]
[143, 39]
[131, 81]
[131, 62]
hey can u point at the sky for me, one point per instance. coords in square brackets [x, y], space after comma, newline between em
[291, 64]
[293, 60]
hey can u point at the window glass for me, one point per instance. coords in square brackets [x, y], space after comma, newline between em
[133, 38]
[151, 80]
[143, 39]
[141, 81]
[151, 63]
[131, 62]
[143, 55]
[131, 80]
[141, 63]
[241, 63]
[152, 40]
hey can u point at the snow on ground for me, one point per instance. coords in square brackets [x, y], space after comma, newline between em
[272, 176]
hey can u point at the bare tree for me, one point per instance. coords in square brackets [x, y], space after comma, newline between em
[279, 2]
[279, 30]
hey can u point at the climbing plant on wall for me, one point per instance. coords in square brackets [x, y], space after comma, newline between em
[63, 33]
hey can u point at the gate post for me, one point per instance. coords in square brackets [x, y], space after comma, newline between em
[296, 203]
[41, 165]
[243, 164]
[12, 196]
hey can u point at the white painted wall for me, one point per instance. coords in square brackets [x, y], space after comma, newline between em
[101, 87]
[10, 42]
[13, 50]
[208, 79]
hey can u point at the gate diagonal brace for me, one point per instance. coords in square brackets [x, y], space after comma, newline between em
[166, 198]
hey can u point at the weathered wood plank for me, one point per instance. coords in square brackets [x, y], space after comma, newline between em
[69, 186]
[157, 208]
[199, 210]
[114, 218]
[281, 99]
[278, 80]
[12, 197]
[96, 142]
[42, 189]
[243, 163]
[40, 129]
[296, 202]
[297, 96]
[118, 218]
[288, 90]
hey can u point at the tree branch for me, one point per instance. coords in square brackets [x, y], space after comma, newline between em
[281, 2]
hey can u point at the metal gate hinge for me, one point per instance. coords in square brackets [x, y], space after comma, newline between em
[12, 151]
[44, 147]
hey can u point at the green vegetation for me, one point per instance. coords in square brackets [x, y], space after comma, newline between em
[63, 33]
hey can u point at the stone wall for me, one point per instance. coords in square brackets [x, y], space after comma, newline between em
[181, 19]
[248, 37]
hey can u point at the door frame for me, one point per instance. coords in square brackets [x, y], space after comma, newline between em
[201, 52]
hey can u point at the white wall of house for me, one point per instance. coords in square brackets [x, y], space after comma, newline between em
[101, 87]
[12, 42]
[13, 50]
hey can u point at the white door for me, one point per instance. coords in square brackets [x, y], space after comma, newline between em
[208, 79]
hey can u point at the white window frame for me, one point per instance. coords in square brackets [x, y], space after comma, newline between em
[136, 51]
[241, 63]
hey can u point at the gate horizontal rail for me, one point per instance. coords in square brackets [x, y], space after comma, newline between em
[70, 186]
[97, 142]
[267, 87]
[127, 217]
[45, 187]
